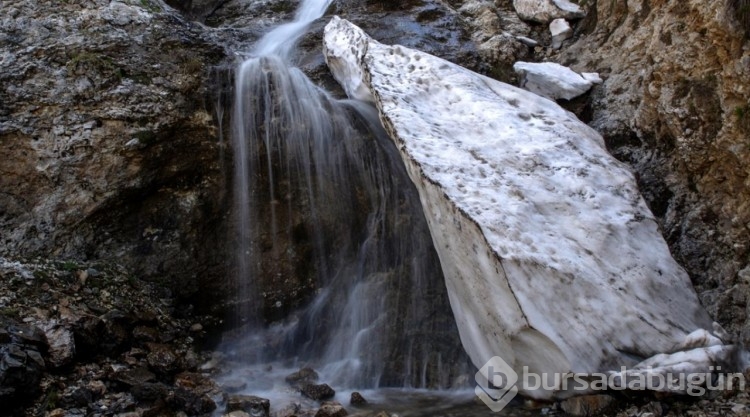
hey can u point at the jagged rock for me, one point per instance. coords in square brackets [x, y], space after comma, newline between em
[61, 341]
[70, 184]
[551, 80]
[561, 31]
[31, 335]
[494, 33]
[196, 382]
[91, 379]
[21, 367]
[357, 399]
[331, 409]
[161, 358]
[133, 377]
[74, 397]
[193, 402]
[318, 392]
[255, 406]
[302, 377]
[547, 247]
[544, 11]
[674, 107]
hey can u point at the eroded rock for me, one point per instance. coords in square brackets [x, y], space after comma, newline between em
[255, 406]
[318, 392]
[331, 409]
[61, 341]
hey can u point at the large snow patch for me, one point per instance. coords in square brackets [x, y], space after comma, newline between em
[551, 258]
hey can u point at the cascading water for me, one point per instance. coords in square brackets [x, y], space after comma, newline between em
[333, 248]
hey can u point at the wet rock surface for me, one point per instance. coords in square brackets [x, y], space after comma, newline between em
[302, 377]
[318, 392]
[356, 399]
[254, 406]
[331, 409]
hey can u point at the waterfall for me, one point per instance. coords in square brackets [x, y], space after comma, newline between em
[334, 267]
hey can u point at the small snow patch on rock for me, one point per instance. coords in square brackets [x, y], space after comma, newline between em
[561, 31]
[551, 80]
[544, 11]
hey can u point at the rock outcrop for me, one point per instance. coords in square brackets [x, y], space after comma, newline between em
[551, 257]
[674, 106]
[109, 149]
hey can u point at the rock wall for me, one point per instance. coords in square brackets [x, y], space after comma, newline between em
[674, 105]
[108, 142]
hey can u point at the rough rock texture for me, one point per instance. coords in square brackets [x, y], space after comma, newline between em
[494, 31]
[82, 348]
[109, 148]
[21, 363]
[331, 409]
[674, 105]
[540, 231]
[255, 406]
[318, 392]
[199, 10]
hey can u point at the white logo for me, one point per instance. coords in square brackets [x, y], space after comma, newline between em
[496, 384]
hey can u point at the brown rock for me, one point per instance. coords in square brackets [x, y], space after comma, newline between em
[331, 409]
[255, 406]
[161, 358]
[674, 106]
[586, 405]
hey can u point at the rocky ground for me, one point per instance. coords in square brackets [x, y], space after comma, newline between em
[93, 339]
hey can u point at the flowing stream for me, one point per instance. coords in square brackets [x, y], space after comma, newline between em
[334, 267]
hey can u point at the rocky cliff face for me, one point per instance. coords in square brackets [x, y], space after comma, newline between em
[674, 105]
[107, 139]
